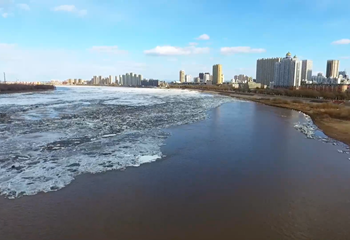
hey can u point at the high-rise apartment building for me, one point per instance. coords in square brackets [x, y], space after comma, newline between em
[265, 69]
[94, 80]
[123, 80]
[188, 78]
[288, 72]
[182, 76]
[206, 77]
[127, 79]
[332, 69]
[201, 77]
[139, 80]
[217, 74]
[306, 70]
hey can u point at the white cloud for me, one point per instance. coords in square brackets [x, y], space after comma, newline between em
[72, 9]
[65, 8]
[23, 6]
[203, 37]
[176, 51]
[341, 41]
[107, 49]
[5, 15]
[234, 50]
[193, 44]
[345, 57]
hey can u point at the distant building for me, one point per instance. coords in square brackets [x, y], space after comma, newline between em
[151, 83]
[265, 70]
[109, 80]
[188, 78]
[217, 74]
[197, 80]
[206, 78]
[332, 69]
[201, 76]
[182, 76]
[306, 70]
[123, 80]
[344, 74]
[288, 72]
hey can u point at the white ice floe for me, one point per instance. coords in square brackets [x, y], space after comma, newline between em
[311, 131]
[53, 137]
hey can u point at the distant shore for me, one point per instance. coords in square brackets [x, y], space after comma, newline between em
[20, 88]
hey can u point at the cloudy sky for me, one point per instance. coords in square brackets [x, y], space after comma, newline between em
[42, 40]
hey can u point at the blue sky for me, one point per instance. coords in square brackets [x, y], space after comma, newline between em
[42, 40]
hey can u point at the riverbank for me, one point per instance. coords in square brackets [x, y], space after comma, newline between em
[332, 119]
[20, 88]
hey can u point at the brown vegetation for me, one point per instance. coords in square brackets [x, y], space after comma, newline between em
[303, 93]
[11, 88]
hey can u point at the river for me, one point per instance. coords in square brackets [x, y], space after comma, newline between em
[221, 168]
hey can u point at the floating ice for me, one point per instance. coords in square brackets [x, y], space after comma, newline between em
[311, 131]
[88, 130]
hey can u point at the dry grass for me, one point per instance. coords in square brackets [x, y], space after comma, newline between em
[279, 101]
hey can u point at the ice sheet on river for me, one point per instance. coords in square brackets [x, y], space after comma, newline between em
[47, 139]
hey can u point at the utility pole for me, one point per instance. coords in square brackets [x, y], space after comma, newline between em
[4, 77]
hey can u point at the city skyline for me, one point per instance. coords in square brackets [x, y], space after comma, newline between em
[79, 42]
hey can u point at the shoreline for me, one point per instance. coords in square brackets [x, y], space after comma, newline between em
[23, 88]
[26, 91]
[335, 128]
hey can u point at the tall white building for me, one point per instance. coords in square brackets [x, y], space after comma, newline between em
[109, 80]
[188, 78]
[306, 70]
[127, 79]
[288, 72]
[206, 77]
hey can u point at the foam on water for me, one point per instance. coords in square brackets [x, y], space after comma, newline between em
[50, 138]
